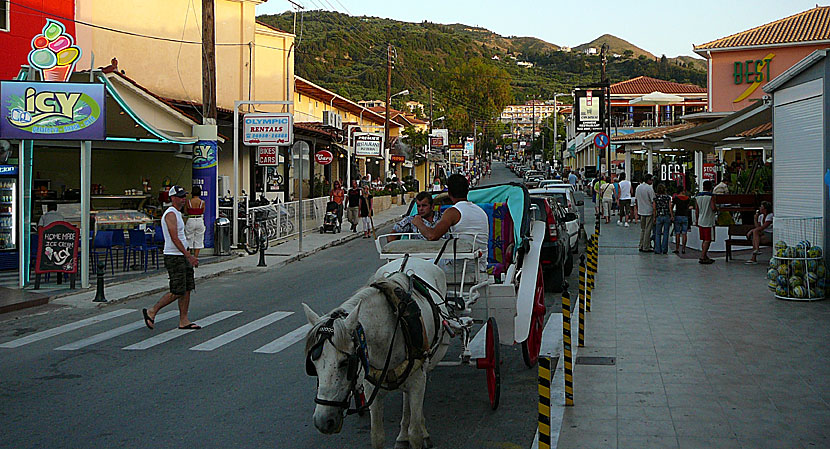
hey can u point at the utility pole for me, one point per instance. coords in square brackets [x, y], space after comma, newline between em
[388, 99]
[430, 110]
[607, 105]
[208, 64]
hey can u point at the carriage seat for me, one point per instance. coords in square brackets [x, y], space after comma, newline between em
[412, 246]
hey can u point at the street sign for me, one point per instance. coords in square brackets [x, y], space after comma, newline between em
[368, 144]
[267, 155]
[272, 128]
[323, 157]
[601, 141]
[589, 110]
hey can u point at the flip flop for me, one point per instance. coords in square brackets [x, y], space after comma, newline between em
[191, 326]
[149, 322]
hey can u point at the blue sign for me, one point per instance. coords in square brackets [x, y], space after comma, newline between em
[601, 140]
[204, 176]
[52, 111]
[6, 170]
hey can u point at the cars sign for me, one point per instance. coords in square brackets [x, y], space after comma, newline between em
[323, 157]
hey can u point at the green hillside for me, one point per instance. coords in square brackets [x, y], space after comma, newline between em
[348, 55]
[615, 45]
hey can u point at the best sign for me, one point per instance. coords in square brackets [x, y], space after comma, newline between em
[268, 129]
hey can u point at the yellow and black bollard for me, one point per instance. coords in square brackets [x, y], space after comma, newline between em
[568, 355]
[591, 269]
[544, 401]
[582, 301]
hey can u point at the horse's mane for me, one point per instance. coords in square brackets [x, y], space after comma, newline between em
[340, 332]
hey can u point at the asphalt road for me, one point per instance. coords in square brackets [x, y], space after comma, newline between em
[115, 383]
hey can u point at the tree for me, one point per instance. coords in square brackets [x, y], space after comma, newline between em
[482, 87]
[628, 54]
[415, 138]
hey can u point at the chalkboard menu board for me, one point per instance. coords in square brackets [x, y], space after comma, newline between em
[57, 248]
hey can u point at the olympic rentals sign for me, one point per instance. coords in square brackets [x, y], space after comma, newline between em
[272, 128]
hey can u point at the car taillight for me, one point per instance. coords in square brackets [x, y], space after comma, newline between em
[553, 234]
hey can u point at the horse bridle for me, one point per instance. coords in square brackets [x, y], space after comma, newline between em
[355, 360]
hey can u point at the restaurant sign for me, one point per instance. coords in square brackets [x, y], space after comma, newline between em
[53, 111]
[275, 128]
[368, 144]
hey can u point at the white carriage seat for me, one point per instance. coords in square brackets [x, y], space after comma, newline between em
[413, 246]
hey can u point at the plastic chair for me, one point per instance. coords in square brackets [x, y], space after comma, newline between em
[103, 241]
[119, 244]
[158, 237]
[138, 244]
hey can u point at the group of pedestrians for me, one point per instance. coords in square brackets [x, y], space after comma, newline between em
[358, 203]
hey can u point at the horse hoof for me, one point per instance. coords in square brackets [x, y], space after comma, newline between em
[428, 443]
[401, 444]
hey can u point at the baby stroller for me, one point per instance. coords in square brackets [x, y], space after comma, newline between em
[330, 220]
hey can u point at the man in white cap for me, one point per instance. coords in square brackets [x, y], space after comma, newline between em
[178, 261]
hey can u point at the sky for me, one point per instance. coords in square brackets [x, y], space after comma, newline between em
[667, 27]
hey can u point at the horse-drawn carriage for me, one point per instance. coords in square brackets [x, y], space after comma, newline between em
[436, 291]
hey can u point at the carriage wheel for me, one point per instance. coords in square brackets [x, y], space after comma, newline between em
[533, 343]
[490, 363]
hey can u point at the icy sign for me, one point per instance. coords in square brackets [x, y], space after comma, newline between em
[268, 129]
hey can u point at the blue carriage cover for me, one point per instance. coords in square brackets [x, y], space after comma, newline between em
[514, 194]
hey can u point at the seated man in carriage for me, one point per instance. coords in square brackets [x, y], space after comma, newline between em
[426, 210]
[464, 217]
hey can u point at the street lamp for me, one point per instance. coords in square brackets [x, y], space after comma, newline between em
[403, 92]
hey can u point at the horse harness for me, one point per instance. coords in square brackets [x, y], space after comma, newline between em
[408, 316]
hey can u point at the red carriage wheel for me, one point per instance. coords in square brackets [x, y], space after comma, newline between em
[490, 363]
[533, 343]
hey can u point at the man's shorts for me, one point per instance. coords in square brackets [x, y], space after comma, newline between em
[180, 273]
[707, 233]
[681, 224]
[625, 207]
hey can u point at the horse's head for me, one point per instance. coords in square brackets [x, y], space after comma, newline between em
[332, 354]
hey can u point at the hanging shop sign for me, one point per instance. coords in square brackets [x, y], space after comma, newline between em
[589, 110]
[442, 134]
[54, 53]
[57, 249]
[267, 155]
[275, 128]
[323, 157]
[397, 158]
[709, 172]
[368, 144]
[469, 147]
[53, 111]
[436, 142]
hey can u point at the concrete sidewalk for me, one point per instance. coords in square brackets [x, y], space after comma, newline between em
[706, 357]
[282, 254]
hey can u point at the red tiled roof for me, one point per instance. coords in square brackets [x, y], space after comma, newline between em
[645, 85]
[652, 134]
[314, 127]
[807, 26]
[759, 131]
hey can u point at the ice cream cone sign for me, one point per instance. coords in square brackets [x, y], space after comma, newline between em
[54, 52]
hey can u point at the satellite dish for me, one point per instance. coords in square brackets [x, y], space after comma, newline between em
[5, 151]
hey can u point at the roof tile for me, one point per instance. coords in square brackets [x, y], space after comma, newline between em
[807, 26]
[642, 85]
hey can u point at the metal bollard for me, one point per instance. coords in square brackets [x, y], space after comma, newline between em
[567, 354]
[261, 254]
[581, 338]
[544, 401]
[99, 292]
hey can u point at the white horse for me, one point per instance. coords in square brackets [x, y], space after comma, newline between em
[332, 346]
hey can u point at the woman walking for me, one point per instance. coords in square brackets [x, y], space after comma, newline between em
[366, 212]
[608, 189]
[663, 212]
[682, 217]
[194, 229]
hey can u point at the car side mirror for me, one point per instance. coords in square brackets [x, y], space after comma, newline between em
[580, 203]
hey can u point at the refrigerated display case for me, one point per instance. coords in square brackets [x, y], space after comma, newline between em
[8, 218]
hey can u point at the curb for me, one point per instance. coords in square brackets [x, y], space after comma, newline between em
[294, 258]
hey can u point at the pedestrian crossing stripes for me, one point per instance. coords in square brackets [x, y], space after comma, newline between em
[98, 338]
[240, 332]
[175, 333]
[65, 328]
[285, 341]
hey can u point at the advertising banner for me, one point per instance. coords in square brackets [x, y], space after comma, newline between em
[57, 250]
[469, 147]
[204, 175]
[589, 110]
[709, 172]
[273, 128]
[368, 144]
[53, 111]
[443, 134]
[267, 155]
[436, 142]
[456, 156]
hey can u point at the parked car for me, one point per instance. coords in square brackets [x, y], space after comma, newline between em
[555, 254]
[552, 182]
[533, 181]
[574, 210]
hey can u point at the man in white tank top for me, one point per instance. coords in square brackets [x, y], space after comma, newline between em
[463, 217]
[178, 261]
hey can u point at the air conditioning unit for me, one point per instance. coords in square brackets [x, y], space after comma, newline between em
[332, 119]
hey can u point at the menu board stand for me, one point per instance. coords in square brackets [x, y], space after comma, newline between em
[57, 252]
